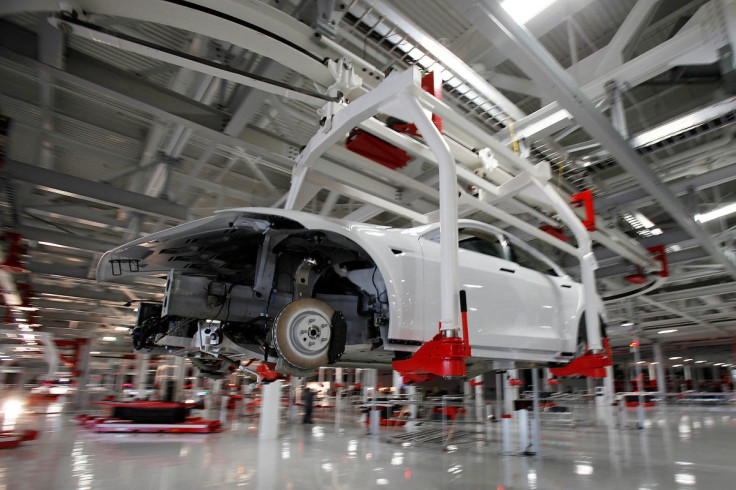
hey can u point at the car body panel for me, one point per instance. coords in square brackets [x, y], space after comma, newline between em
[521, 315]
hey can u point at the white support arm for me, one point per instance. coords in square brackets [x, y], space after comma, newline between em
[449, 258]
[398, 95]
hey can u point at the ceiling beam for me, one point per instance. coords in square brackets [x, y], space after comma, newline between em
[681, 314]
[542, 66]
[633, 197]
[88, 190]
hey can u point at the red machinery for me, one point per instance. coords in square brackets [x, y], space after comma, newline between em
[443, 356]
[10, 439]
[140, 417]
[590, 365]
[386, 154]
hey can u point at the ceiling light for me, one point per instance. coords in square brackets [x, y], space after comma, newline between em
[122, 329]
[671, 330]
[675, 358]
[686, 360]
[523, 12]
[716, 213]
[700, 362]
[109, 339]
[677, 365]
[718, 364]
[627, 324]
[51, 244]
[646, 222]
[94, 352]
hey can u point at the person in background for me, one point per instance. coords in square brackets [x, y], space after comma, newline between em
[308, 400]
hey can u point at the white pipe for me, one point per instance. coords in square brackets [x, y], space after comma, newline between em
[590, 299]
[449, 259]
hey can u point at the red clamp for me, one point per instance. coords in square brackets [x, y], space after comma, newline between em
[473, 382]
[412, 378]
[555, 231]
[660, 254]
[14, 254]
[267, 372]
[443, 356]
[515, 382]
[588, 365]
[586, 198]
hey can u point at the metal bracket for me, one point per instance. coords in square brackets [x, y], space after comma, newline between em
[301, 279]
[345, 78]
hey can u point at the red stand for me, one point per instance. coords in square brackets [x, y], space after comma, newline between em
[589, 365]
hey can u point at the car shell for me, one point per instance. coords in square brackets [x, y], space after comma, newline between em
[520, 315]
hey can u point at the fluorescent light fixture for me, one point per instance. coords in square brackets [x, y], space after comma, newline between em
[627, 324]
[718, 364]
[677, 365]
[646, 222]
[109, 339]
[94, 352]
[671, 330]
[52, 244]
[716, 213]
[122, 329]
[675, 358]
[686, 360]
[700, 362]
[541, 125]
[524, 11]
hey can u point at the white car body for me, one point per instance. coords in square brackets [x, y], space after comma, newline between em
[514, 312]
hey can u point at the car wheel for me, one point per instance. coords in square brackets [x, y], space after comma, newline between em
[302, 332]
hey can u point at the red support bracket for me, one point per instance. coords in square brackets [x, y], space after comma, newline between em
[12, 261]
[586, 199]
[555, 231]
[660, 254]
[384, 153]
[412, 378]
[443, 356]
[588, 365]
[268, 372]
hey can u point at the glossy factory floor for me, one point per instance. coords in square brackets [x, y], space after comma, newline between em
[680, 448]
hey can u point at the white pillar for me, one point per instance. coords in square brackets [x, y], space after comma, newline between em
[141, 374]
[339, 383]
[608, 389]
[270, 410]
[659, 359]
[688, 373]
[397, 381]
[81, 396]
[179, 375]
[370, 378]
[480, 401]
[412, 392]
[510, 393]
